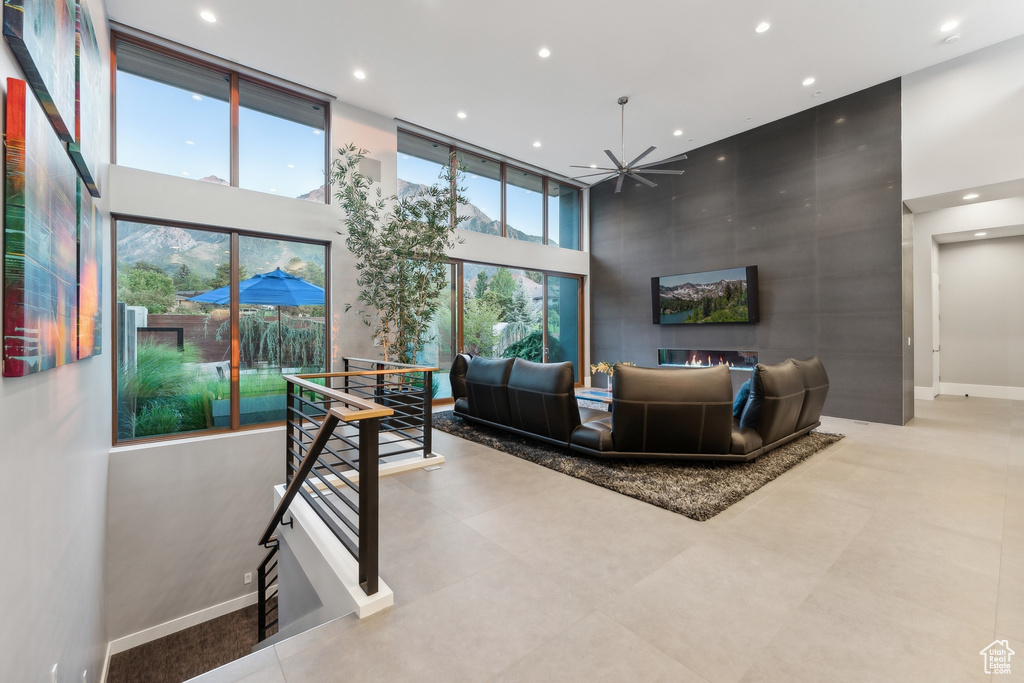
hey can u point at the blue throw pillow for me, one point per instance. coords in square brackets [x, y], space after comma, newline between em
[752, 411]
[741, 400]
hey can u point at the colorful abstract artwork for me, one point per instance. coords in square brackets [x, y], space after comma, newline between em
[40, 323]
[85, 150]
[90, 275]
[42, 35]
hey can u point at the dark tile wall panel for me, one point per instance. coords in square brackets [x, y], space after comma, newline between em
[813, 200]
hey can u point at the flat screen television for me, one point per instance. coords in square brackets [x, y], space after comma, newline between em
[713, 297]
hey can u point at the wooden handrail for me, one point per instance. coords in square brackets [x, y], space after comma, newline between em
[361, 404]
[415, 368]
[370, 373]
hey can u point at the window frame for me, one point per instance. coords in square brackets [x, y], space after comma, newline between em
[236, 75]
[459, 301]
[234, 235]
[505, 166]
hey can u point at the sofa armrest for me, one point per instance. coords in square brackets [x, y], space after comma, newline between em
[744, 439]
[595, 435]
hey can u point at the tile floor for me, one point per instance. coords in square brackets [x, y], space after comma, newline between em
[895, 555]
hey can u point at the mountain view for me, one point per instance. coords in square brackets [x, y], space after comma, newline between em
[712, 302]
[476, 220]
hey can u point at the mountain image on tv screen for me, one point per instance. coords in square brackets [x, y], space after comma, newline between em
[718, 296]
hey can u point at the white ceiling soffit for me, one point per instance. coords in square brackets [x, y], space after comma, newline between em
[699, 67]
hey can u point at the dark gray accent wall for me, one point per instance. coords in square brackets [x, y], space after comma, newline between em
[814, 201]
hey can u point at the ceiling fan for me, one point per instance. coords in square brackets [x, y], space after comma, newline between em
[622, 169]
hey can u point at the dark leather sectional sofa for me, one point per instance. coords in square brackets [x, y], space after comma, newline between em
[667, 413]
[534, 399]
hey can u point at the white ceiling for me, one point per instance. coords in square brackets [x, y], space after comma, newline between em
[695, 65]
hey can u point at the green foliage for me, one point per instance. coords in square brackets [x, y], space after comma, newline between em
[146, 287]
[479, 319]
[401, 247]
[153, 395]
[730, 307]
[302, 340]
[222, 278]
[148, 267]
[534, 275]
[481, 285]
[531, 347]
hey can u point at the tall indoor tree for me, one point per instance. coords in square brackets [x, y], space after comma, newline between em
[401, 248]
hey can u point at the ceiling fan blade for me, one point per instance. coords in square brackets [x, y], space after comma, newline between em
[618, 164]
[643, 180]
[596, 168]
[633, 163]
[678, 157]
[655, 170]
[618, 184]
[590, 175]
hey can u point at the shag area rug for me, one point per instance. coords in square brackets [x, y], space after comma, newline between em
[698, 490]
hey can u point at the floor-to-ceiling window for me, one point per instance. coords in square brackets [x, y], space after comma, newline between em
[193, 356]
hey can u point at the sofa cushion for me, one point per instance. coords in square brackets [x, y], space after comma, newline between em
[740, 402]
[815, 390]
[755, 398]
[782, 397]
[744, 441]
[457, 375]
[672, 410]
[487, 389]
[595, 435]
[542, 399]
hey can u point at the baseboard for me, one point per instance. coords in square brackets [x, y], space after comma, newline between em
[925, 393]
[982, 391]
[179, 624]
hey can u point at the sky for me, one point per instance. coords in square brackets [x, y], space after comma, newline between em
[705, 277]
[170, 130]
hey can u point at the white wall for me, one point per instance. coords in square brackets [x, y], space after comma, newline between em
[998, 219]
[55, 431]
[961, 131]
[962, 122]
[982, 324]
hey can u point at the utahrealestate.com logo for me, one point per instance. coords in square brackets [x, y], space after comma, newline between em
[997, 657]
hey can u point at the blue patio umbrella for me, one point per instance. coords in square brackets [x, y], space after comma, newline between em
[276, 288]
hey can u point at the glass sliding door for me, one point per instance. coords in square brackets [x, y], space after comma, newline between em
[562, 297]
[439, 348]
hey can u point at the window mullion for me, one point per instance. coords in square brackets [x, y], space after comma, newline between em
[234, 129]
[236, 353]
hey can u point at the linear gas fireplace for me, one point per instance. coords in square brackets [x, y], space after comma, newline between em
[705, 358]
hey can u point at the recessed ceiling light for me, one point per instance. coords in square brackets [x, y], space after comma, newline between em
[809, 80]
[197, 98]
[209, 16]
[980, 234]
[678, 132]
[593, 166]
[748, 118]
[189, 142]
[971, 195]
[952, 39]
[461, 114]
[184, 173]
[763, 26]
[536, 144]
[273, 190]
[818, 93]
[949, 26]
[544, 52]
[291, 165]
[721, 158]
[359, 74]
